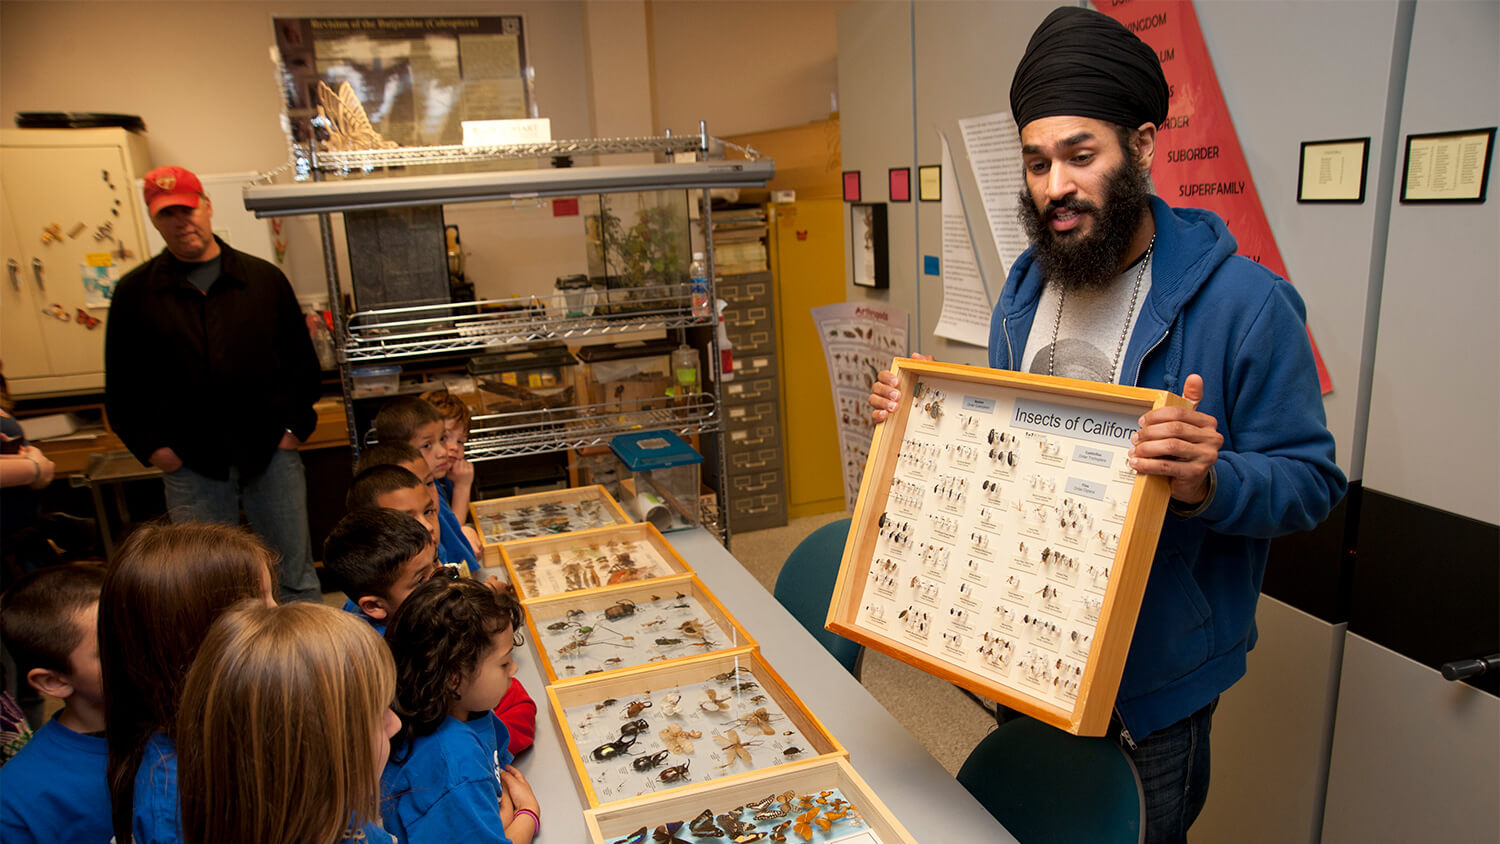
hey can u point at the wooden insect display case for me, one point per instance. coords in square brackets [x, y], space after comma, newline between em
[1000, 540]
[818, 801]
[654, 728]
[589, 559]
[637, 624]
[543, 514]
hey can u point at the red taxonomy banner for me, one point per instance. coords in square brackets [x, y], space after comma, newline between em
[1198, 161]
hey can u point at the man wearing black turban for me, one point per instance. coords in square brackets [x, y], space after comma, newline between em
[1119, 287]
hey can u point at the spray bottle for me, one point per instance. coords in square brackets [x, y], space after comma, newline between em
[726, 348]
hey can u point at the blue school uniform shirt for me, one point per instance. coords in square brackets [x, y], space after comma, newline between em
[353, 609]
[56, 789]
[453, 546]
[156, 818]
[448, 787]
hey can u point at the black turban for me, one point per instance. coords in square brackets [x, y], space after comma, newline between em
[1083, 63]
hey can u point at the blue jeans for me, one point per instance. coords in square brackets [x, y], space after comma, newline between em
[275, 502]
[1173, 764]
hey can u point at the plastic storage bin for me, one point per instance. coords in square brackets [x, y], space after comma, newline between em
[375, 380]
[665, 480]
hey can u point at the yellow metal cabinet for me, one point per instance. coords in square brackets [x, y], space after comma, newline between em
[807, 253]
[57, 180]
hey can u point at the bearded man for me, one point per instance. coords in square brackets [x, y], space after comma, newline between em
[1122, 288]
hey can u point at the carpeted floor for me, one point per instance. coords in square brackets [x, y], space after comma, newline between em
[945, 719]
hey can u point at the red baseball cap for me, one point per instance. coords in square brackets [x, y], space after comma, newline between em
[172, 186]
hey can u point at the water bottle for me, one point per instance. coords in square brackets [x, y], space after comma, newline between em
[698, 275]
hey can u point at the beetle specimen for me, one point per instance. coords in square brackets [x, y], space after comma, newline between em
[674, 773]
[646, 763]
[609, 750]
[630, 728]
[634, 707]
[621, 609]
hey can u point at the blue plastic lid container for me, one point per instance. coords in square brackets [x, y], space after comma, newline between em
[644, 451]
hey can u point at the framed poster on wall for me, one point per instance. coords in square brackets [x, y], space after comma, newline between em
[1000, 540]
[374, 82]
[869, 254]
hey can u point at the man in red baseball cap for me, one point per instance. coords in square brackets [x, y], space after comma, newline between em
[181, 213]
[211, 377]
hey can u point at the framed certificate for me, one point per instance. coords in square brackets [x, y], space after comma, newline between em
[1448, 166]
[1333, 171]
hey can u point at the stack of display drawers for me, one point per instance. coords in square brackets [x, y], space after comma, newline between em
[674, 723]
[756, 480]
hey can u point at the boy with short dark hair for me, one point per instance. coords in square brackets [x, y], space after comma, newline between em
[57, 788]
[378, 556]
[413, 421]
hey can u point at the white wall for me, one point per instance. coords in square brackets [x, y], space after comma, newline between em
[603, 68]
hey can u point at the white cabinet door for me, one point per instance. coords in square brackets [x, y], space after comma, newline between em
[22, 352]
[69, 186]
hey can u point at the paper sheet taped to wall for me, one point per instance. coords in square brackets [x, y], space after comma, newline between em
[966, 306]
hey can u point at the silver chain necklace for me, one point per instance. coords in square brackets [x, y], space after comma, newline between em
[1062, 293]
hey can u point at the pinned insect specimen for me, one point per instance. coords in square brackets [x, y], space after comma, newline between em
[791, 751]
[621, 609]
[691, 629]
[667, 834]
[609, 701]
[637, 837]
[646, 763]
[674, 773]
[760, 719]
[732, 674]
[630, 728]
[670, 703]
[735, 749]
[747, 686]
[634, 707]
[678, 740]
[714, 703]
[666, 640]
[703, 826]
[609, 750]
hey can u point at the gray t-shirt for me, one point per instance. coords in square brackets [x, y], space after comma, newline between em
[1090, 329]
[203, 274]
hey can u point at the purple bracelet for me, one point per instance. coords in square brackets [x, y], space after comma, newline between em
[535, 820]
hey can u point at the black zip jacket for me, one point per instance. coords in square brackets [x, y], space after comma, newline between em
[217, 377]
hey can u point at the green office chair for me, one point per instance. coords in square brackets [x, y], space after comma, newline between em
[1045, 785]
[805, 588]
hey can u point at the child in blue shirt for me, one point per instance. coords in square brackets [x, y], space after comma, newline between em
[449, 777]
[413, 421]
[56, 788]
[164, 589]
[452, 547]
[378, 556]
[320, 683]
[456, 483]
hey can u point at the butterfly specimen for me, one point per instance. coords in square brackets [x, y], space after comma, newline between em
[735, 749]
[703, 826]
[345, 121]
[678, 740]
[667, 834]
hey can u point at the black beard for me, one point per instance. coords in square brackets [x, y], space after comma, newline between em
[1080, 262]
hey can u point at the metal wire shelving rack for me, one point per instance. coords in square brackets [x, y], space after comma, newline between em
[326, 182]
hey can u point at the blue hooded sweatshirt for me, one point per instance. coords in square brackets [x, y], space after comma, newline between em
[1243, 329]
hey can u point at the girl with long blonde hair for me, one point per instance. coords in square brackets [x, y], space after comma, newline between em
[284, 729]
